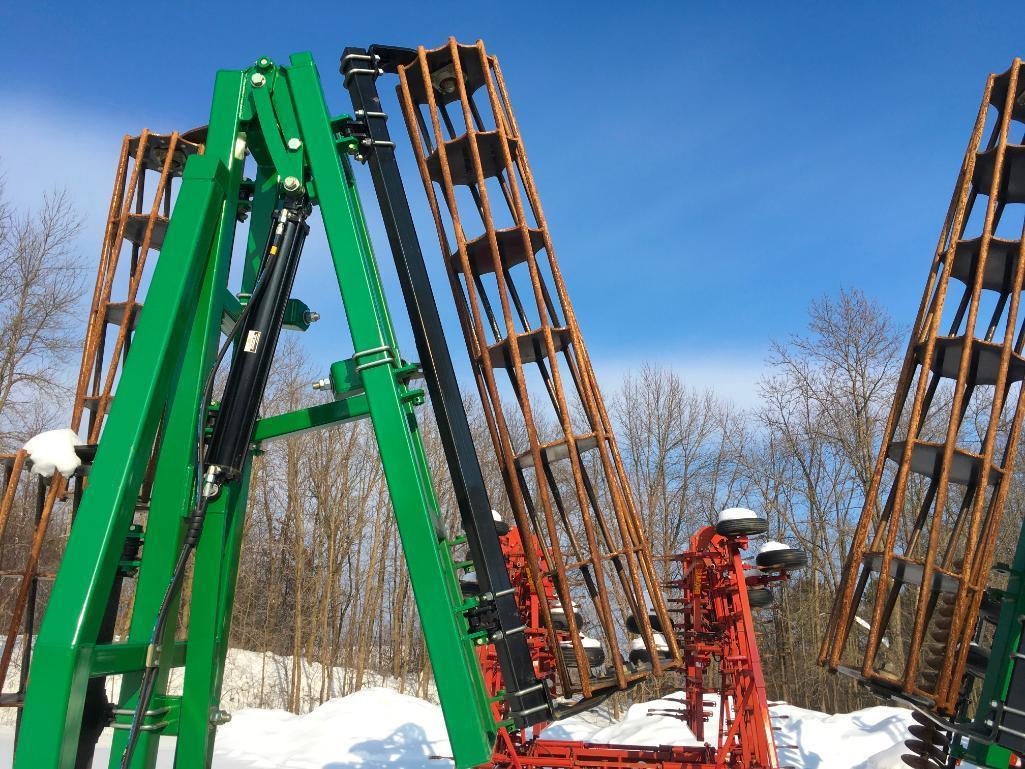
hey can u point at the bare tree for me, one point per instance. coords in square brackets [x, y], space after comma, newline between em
[819, 427]
[40, 289]
[681, 447]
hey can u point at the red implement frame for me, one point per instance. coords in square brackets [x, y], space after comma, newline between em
[715, 630]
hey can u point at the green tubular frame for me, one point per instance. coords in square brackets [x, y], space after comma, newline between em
[162, 383]
[1001, 664]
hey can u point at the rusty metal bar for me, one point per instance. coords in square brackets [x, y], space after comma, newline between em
[567, 484]
[135, 227]
[914, 563]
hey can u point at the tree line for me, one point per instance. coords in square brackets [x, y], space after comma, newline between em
[322, 581]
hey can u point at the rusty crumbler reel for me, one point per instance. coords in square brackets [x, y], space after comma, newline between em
[578, 557]
[922, 614]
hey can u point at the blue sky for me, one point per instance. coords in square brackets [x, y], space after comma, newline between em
[706, 169]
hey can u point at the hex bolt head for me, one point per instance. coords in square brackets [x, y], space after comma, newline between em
[311, 316]
[220, 717]
[258, 80]
[294, 143]
[321, 384]
[291, 184]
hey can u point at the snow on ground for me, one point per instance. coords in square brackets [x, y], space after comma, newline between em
[257, 680]
[374, 728]
[865, 739]
[380, 728]
[872, 738]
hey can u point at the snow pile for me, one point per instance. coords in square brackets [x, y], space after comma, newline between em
[257, 680]
[54, 450]
[637, 644]
[736, 514]
[371, 729]
[374, 727]
[865, 739]
[643, 724]
[377, 728]
[872, 738]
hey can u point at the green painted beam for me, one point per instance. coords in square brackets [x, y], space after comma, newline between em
[343, 411]
[52, 715]
[465, 704]
[115, 659]
[174, 488]
[187, 308]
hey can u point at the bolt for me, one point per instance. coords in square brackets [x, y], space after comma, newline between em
[264, 62]
[311, 316]
[291, 184]
[257, 80]
[220, 717]
[294, 143]
[321, 384]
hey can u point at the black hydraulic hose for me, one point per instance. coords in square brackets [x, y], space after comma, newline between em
[257, 330]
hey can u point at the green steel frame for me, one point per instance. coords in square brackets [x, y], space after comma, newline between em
[278, 114]
[998, 673]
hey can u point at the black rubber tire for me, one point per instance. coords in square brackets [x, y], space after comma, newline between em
[641, 656]
[977, 661]
[760, 597]
[560, 621]
[632, 627]
[502, 528]
[639, 659]
[989, 609]
[742, 527]
[784, 560]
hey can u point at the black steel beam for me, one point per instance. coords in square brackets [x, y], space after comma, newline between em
[528, 699]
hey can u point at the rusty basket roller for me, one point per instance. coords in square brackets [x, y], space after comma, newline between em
[137, 220]
[563, 472]
[933, 511]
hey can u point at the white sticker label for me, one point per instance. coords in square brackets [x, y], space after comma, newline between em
[252, 341]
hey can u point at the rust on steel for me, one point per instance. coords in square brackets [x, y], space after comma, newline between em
[136, 222]
[551, 431]
[909, 599]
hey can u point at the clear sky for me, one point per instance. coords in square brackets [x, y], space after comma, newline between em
[706, 168]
